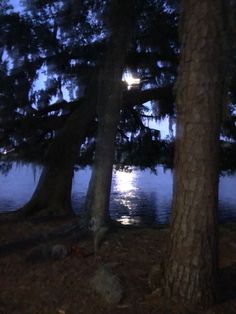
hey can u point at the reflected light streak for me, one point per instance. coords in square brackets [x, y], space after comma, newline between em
[126, 187]
[127, 220]
[125, 181]
[130, 80]
[127, 203]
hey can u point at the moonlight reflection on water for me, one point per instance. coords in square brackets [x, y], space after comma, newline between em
[137, 197]
[123, 195]
[125, 181]
[141, 197]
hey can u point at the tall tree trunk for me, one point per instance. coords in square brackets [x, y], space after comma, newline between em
[190, 272]
[53, 192]
[109, 105]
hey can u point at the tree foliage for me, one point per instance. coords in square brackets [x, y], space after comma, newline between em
[52, 49]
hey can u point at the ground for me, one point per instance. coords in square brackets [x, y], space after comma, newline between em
[38, 284]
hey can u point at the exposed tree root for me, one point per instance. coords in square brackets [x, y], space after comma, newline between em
[70, 229]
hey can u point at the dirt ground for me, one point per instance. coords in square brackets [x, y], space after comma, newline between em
[35, 284]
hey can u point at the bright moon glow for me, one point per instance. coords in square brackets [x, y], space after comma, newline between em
[130, 80]
[125, 181]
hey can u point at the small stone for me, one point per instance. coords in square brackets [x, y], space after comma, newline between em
[107, 284]
[45, 252]
[59, 251]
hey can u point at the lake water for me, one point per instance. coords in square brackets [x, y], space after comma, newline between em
[138, 197]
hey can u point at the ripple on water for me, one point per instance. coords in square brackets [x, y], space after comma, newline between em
[138, 197]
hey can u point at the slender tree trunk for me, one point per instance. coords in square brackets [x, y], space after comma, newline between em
[190, 273]
[109, 105]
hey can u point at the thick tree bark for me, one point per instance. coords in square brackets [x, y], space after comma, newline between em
[109, 105]
[53, 192]
[190, 272]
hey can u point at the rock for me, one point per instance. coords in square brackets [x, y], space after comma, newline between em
[45, 252]
[59, 251]
[155, 276]
[107, 284]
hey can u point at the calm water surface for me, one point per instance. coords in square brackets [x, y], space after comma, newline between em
[138, 197]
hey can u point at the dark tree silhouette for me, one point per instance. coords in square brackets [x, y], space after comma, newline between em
[192, 257]
[35, 127]
[121, 22]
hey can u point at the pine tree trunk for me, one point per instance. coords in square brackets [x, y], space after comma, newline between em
[109, 105]
[190, 272]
